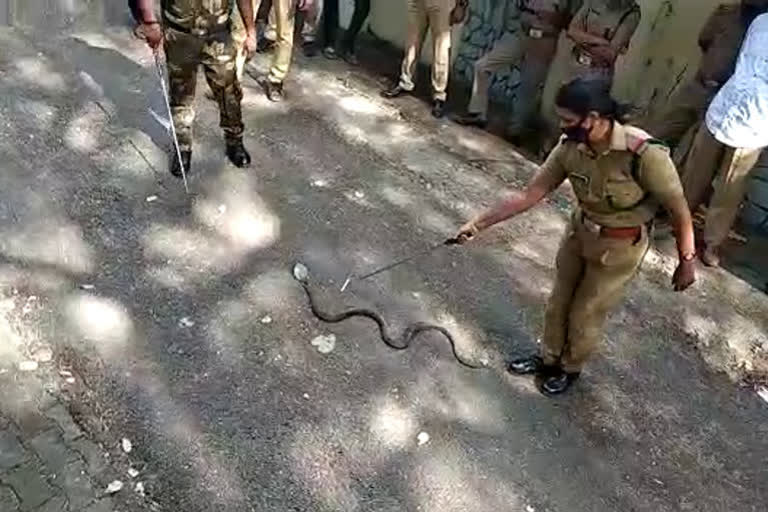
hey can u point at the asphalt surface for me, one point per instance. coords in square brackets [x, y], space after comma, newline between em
[195, 340]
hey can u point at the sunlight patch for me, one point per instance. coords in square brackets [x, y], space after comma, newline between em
[359, 105]
[392, 425]
[37, 72]
[104, 322]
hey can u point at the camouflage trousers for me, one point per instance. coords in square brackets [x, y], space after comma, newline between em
[217, 54]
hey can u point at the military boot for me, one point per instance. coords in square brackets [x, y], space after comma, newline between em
[176, 166]
[237, 153]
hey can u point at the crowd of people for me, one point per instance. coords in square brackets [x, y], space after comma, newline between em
[621, 174]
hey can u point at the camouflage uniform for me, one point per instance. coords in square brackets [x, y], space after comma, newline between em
[199, 32]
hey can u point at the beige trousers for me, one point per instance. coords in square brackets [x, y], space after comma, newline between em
[435, 16]
[593, 273]
[727, 169]
[308, 31]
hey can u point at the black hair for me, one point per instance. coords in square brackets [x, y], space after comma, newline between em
[584, 95]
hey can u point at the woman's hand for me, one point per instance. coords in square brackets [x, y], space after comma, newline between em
[685, 275]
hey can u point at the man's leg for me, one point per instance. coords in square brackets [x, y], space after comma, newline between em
[362, 10]
[533, 73]
[285, 14]
[310, 27]
[219, 62]
[506, 52]
[439, 16]
[730, 187]
[183, 55]
[414, 39]
[701, 166]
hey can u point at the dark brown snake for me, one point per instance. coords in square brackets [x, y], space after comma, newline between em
[400, 343]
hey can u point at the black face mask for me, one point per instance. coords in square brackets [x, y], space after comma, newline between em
[577, 132]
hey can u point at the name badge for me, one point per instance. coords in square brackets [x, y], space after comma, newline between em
[584, 59]
[535, 33]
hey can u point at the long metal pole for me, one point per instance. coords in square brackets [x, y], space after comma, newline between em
[161, 76]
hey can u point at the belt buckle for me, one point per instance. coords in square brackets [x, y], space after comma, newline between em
[536, 33]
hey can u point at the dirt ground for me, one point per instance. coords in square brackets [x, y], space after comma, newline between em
[186, 332]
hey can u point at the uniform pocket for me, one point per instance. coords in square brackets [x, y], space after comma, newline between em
[623, 192]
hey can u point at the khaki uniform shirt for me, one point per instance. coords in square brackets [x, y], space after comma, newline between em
[617, 26]
[720, 41]
[199, 17]
[612, 190]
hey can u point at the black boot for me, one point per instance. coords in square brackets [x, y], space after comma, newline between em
[526, 365]
[472, 119]
[394, 92]
[438, 109]
[186, 160]
[237, 153]
[275, 91]
[558, 383]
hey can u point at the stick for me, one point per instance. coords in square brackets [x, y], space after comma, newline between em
[159, 69]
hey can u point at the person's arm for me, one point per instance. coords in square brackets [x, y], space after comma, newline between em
[580, 36]
[249, 16]
[549, 177]
[659, 177]
[153, 32]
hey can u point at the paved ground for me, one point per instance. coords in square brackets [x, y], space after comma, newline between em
[182, 328]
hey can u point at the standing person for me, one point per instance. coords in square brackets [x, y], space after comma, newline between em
[730, 140]
[309, 29]
[620, 176]
[600, 32]
[437, 16]
[285, 24]
[719, 41]
[195, 34]
[529, 43]
[331, 28]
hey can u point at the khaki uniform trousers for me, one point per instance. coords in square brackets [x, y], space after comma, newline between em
[593, 273]
[681, 117]
[532, 57]
[217, 54]
[730, 168]
[435, 16]
[281, 24]
[309, 29]
[239, 35]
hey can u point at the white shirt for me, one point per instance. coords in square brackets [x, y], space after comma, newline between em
[738, 116]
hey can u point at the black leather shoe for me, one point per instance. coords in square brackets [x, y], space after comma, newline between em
[558, 383]
[525, 365]
[275, 92]
[472, 119]
[186, 160]
[438, 109]
[394, 92]
[310, 49]
[237, 154]
[330, 53]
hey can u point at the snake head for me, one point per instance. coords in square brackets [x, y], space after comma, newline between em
[301, 273]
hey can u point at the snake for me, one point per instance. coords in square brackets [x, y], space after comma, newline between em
[400, 343]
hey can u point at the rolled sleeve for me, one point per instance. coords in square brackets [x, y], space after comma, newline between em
[553, 171]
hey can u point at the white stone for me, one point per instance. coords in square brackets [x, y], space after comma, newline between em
[422, 438]
[127, 445]
[324, 344]
[114, 487]
[28, 366]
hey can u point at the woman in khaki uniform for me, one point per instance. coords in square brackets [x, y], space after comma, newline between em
[620, 176]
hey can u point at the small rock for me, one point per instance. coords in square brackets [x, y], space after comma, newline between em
[114, 487]
[422, 438]
[28, 366]
[306, 396]
[151, 199]
[186, 322]
[530, 509]
[139, 488]
[87, 287]
[359, 194]
[319, 183]
[222, 208]
[127, 445]
[324, 344]
[266, 320]
[300, 272]
[133, 472]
